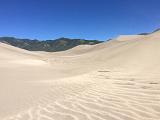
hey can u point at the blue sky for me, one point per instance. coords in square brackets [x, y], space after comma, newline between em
[88, 19]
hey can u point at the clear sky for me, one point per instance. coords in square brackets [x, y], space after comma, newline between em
[88, 19]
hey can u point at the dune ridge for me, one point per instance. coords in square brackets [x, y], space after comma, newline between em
[115, 80]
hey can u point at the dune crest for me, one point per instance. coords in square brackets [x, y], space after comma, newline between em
[129, 37]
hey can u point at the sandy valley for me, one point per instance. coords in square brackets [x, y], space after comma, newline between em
[114, 80]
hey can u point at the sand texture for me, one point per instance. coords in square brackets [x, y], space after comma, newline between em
[114, 80]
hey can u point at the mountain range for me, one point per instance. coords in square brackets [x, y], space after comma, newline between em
[60, 44]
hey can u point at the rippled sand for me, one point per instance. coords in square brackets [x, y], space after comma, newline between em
[116, 80]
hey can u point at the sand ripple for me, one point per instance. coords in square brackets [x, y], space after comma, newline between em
[106, 95]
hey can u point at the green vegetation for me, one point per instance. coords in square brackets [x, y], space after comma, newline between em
[47, 45]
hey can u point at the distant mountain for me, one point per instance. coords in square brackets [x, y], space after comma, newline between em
[47, 45]
[156, 30]
[144, 34]
[150, 32]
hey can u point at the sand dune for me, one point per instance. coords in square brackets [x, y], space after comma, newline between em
[115, 80]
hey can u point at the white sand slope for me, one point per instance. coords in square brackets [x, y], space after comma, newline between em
[115, 80]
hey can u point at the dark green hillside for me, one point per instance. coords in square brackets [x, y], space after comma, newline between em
[47, 45]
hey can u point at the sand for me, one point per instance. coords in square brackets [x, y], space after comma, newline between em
[114, 80]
